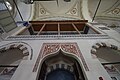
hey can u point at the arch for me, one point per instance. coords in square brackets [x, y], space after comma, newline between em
[53, 49]
[102, 44]
[66, 73]
[61, 66]
[49, 49]
[24, 47]
[11, 55]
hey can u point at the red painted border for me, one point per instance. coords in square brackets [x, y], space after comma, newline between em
[48, 48]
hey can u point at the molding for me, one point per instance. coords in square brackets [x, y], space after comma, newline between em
[57, 37]
[102, 44]
[24, 47]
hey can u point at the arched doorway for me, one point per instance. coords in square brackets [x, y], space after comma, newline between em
[60, 67]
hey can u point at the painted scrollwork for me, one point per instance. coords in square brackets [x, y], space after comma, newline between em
[53, 48]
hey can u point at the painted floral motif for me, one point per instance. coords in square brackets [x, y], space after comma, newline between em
[73, 11]
[53, 48]
[42, 11]
[50, 48]
[116, 11]
[70, 48]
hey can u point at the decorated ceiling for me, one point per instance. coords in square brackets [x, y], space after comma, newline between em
[57, 10]
[108, 11]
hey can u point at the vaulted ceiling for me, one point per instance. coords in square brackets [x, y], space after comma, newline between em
[108, 12]
[55, 10]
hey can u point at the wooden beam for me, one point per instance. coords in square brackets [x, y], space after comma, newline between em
[58, 29]
[90, 26]
[35, 23]
[76, 28]
[71, 21]
[60, 22]
[41, 29]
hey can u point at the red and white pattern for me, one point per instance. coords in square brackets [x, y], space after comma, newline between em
[15, 45]
[53, 48]
[50, 48]
[110, 68]
[70, 48]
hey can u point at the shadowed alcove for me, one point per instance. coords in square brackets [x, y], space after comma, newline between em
[60, 67]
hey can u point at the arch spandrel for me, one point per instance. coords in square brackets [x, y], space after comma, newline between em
[54, 48]
[49, 48]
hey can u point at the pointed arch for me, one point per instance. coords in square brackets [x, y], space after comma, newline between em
[71, 49]
[60, 56]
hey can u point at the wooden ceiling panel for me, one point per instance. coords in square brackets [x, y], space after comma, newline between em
[63, 25]
[51, 27]
[66, 27]
[37, 27]
[80, 27]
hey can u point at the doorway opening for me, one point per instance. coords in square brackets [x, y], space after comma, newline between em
[60, 67]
